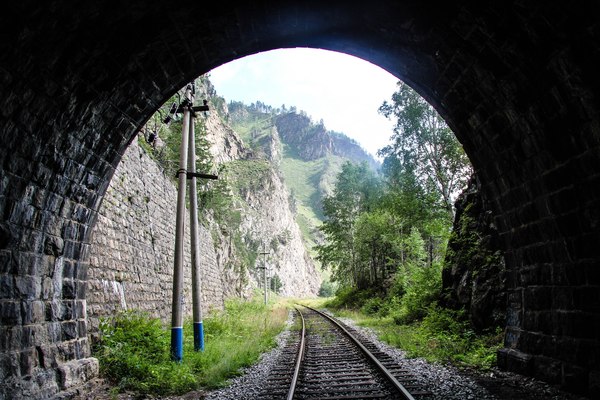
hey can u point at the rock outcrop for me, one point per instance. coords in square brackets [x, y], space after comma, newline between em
[131, 252]
[267, 222]
[474, 274]
[312, 141]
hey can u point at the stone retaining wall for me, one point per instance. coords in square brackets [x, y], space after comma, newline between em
[131, 252]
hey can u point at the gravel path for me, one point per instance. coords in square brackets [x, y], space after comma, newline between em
[444, 381]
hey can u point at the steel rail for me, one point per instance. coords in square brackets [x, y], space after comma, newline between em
[299, 358]
[406, 395]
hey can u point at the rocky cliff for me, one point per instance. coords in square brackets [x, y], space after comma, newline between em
[131, 251]
[313, 141]
[266, 220]
[310, 156]
[473, 277]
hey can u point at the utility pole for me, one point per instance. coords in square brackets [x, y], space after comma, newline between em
[177, 314]
[264, 254]
[187, 157]
[196, 280]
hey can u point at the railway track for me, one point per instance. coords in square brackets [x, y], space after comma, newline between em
[324, 359]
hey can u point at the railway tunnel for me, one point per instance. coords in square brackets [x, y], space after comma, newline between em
[516, 81]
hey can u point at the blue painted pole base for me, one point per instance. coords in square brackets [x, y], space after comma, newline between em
[177, 344]
[198, 336]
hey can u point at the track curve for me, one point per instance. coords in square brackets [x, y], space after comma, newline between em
[325, 360]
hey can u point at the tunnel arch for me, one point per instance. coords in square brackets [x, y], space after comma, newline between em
[516, 83]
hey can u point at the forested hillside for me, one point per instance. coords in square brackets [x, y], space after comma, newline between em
[386, 237]
[396, 224]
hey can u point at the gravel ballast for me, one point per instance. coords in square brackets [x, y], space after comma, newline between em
[444, 381]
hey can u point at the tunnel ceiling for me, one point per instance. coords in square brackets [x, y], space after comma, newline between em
[515, 81]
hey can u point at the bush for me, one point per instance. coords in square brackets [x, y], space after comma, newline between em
[134, 354]
[350, 297]
[443, 336]
[326, 289]
[134, 349]
[372, 306]
[421, 287]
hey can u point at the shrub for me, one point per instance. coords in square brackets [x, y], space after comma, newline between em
[134, 354]
[442, 336]
[372, 306]
[421, 287]
[134, 349]
[326, 289]
[350, 297]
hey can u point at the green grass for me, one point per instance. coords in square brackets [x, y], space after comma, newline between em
[134, 349]
[302, 177]
[442, 336]
[308, 181]
[253, 127]
[247, 174]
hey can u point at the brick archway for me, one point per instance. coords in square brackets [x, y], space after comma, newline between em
[517, 83]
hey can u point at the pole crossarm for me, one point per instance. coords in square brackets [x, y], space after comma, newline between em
[191, 175]
[188, 106]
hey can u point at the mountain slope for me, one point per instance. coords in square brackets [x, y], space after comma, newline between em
[311, 156]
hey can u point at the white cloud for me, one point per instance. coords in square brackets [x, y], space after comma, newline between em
[342, 90]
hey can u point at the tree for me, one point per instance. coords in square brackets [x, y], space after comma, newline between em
[327, 289]
[378, 244]
[424, 144]
[355, 192]
[276, 283]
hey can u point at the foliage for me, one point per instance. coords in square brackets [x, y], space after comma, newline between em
[350, 297]
[276, 284]
[424, 144]
[213, 196]
[134, 349]
[412, 294]
[372, 306]
[355, 191]
[388, 234]
[327, 288]
[421, 287]
[442, 336]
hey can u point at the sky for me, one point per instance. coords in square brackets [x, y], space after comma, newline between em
[343, 90]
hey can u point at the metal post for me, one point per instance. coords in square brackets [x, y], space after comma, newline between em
[177, 314]
[264, 253]
[196, 281]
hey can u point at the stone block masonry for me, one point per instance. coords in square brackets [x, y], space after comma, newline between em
[131, 251]
[517, 83]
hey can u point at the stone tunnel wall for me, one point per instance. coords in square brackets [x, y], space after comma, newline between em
[131, 251]
[516, 81]
[473, 277]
